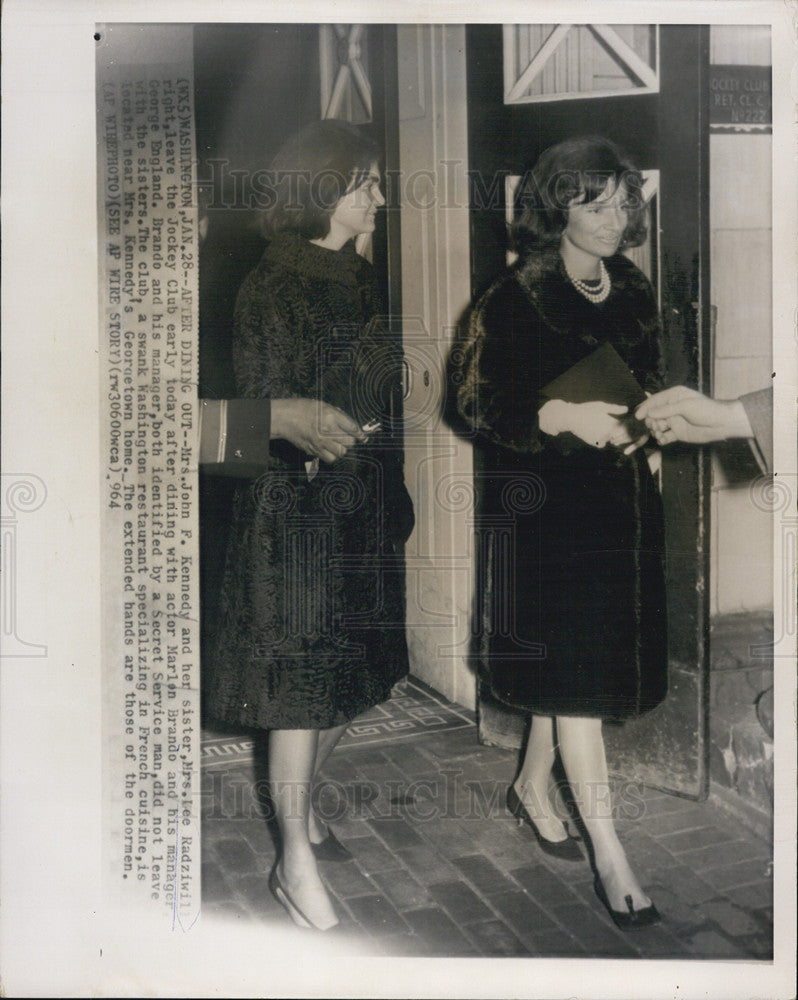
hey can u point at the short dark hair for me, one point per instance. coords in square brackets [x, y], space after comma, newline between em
[578, 168]
[311, 172]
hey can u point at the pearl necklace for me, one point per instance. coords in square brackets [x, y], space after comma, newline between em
[593, 294]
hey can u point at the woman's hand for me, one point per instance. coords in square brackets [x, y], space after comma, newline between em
[638, 443]
[595, 423]
[317, 428]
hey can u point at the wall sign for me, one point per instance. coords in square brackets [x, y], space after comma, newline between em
[740, 99]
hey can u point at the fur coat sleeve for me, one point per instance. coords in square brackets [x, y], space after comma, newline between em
[307, 324]
[267, 350]
[498, 394]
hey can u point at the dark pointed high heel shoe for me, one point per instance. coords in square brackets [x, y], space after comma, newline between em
[630, 918]
[280, 893]
[331, 849]
[565, 850]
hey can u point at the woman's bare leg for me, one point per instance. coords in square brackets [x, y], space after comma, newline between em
[585, 762]
[292, 757]
[328, 738]
[532, 783]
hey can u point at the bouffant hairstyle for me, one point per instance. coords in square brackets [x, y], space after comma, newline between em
[575, 170]
[311, 172]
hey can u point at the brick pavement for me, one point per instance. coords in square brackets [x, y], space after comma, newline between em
[440, 868]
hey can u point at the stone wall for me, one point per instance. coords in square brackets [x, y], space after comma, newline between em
[741, 715]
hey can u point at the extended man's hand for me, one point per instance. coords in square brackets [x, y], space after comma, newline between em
[682, 414]
[317, 428]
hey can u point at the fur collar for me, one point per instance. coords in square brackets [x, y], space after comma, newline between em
[545, 283]
[291, 252]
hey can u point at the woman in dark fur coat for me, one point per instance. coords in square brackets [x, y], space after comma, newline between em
[574, 614]
[312, 626]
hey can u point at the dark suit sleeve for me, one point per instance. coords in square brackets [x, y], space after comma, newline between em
[234, 436]
[759, 410]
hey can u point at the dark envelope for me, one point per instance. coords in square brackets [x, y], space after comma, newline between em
[602, 375]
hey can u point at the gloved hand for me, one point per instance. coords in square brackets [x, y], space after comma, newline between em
[595, 423]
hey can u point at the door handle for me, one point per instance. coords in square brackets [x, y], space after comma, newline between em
[405, 378]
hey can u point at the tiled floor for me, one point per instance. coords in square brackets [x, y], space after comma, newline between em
[440, 868]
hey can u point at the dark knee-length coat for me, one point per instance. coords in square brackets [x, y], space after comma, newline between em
[312, 608]
[571, 602]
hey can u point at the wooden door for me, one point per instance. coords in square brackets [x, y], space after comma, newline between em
[643, 87]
